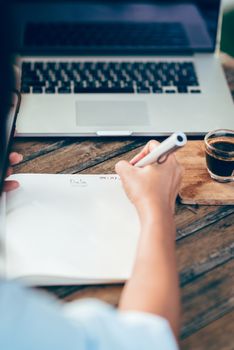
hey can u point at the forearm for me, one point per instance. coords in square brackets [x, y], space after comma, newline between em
[153, 286]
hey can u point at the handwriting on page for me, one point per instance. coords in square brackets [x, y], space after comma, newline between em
[109, 177]
[81, 181]
[78, 182]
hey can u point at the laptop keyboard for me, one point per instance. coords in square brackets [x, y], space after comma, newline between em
[109, 77]
[106, 35]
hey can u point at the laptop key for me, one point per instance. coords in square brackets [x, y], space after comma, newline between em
[157, 90]
[103, 90]
[182, 89]
[65, 84]
[38, 84]
[37, 90]
[25, 89]
[50, 90]
[170, 91]
[64, 90]
[143, 90]
[197, 91]
[193, 83]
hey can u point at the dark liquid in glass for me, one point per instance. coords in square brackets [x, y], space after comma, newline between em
[218, 163]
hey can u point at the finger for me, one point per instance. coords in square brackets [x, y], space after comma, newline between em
[124, 169]
[146, 150]
[168, 161]
[15, 158]
[10, 185]
[9, 172]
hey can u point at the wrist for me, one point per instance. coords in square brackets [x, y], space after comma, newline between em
[150, 211]
[159, 222]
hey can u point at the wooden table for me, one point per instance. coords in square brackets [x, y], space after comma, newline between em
[205, 238]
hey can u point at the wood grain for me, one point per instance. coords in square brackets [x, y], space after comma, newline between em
[73, 157]
[190, 219]
[218, 335]
[207, 298]
[205, 250]
[36, 147]
[197, 186]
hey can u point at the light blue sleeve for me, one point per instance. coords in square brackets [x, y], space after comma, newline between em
[31, 321]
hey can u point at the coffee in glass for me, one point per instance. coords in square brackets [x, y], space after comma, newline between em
[219, 146]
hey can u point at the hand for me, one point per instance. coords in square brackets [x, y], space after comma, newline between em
[154, 186]
[14, 159]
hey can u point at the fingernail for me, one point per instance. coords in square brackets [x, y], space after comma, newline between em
[15, 185]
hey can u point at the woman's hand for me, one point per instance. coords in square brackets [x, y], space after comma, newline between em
[154, 186]
[14, 159]
[153, 190]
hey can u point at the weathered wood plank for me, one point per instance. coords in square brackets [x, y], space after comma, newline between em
[74, 157]
[108, 167]
[35, 148]
[207, 249]
[216, 336]
[208, 298]
[190, 219]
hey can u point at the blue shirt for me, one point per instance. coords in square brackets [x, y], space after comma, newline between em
[34, 321]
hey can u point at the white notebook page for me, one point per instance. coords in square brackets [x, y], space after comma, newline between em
[63, 228]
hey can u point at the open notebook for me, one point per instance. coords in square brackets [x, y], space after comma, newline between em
[69, 229]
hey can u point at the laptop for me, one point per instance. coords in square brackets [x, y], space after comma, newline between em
[121, 68]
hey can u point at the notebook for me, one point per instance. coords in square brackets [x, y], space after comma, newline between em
[69, 229]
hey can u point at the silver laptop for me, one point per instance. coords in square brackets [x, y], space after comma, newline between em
[121, 68]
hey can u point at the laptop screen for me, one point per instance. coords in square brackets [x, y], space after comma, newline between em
[122, 26]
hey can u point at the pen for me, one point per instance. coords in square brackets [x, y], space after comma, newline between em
[160, 153]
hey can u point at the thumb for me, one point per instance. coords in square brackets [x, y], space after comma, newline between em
[124, 169]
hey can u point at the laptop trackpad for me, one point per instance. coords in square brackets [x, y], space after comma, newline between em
[111, 113]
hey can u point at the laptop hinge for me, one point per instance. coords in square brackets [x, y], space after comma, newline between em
[114, 133]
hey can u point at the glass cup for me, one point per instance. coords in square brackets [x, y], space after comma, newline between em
[219, 147]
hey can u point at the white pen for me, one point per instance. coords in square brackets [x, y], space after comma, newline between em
[159, 153]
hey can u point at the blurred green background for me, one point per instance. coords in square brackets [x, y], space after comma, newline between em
[227, 39]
